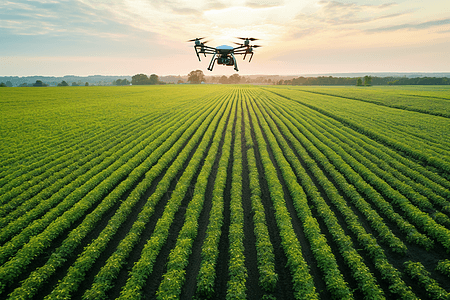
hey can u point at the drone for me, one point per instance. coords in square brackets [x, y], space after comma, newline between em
[225, 54]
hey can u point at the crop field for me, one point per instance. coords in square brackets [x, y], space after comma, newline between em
[225, 192]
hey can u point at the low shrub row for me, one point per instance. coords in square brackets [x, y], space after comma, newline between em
[76, 272]
[144, 266]
[375, 252]
[174, 278]
[268, 278]
[322, 252]
[303, 284]
[237, 272]
[418, 273]
[210, 248]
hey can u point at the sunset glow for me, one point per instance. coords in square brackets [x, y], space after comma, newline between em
[85, 37]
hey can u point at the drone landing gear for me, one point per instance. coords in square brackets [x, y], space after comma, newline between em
[235, 62]
[211, 64]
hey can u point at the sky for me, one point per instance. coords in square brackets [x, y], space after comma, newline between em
[127, 37]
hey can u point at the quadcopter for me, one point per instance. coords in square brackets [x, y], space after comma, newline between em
[225, 54]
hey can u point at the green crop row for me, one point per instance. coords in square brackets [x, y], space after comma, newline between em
[423, 220]
[418, 272]
[415, 102]
[444, 267]
[85, 186]
[98, 188]
[63, 175]
[391, 163]
[395, 143]
[144, 266]
[322, 252]
[336, 162]
[37, 244]
[375, 252]
[365, 279]
[33, 154]
[210, 248]
[237, 272]
[63, 188]
[174, 278]
[268, 278]
[377, 223]
[72, 117]
[403, 127]
[30, 178]
[175, 136]
[302, 280]
[104, 280]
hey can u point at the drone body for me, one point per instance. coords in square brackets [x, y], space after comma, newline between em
[224, 55]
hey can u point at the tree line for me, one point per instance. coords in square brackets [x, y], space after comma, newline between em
[197, 77]
[366, 80]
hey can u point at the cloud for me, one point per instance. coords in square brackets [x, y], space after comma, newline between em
[263, 3]
[409, 26]
[338, 13]
[46, 17]
[214, 4]
[159, 28]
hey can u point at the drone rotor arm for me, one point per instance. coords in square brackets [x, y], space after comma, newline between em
[209, 48]
[243, 47]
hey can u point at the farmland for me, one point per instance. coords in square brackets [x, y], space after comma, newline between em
[225, 192]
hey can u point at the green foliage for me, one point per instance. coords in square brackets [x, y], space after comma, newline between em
[352, 182]
[418, 272]
[196, 77]
[444, 267]
[121, 82]
[140, 79]
[63, 83]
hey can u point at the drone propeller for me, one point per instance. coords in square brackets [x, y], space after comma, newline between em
[250, 39]
[196, 39]
[256, 46]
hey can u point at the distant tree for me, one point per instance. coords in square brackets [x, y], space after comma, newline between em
[86, 84]
[139, 79]
[367, 80]
[121, 82]
[196, 77]
[223, 79]
[359, 82]
[63, 83]
[39, 83]
[180, 81]
[235, 78]
[153, 79]
[23, 84]
[74, 84]
[9, 84]
[3, 84]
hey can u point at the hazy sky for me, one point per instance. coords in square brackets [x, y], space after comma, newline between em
[126, 37]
